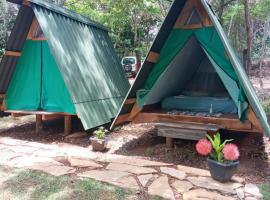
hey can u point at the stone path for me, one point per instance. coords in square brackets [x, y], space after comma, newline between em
[143, 176]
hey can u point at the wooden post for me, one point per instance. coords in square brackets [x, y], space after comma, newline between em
[169, 143]
[67, 121]
[39, 125]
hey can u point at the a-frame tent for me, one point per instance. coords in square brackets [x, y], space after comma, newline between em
[192, 69]
[60, 63]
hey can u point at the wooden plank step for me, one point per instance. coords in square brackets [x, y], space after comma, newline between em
[194, 126]
[187, 134]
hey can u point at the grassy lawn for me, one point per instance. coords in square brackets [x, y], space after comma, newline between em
[28, 184]
[265, 190]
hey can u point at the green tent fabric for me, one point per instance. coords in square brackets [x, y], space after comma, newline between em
[55, 96]
[37, 83]
[24, 89]
[212, 45]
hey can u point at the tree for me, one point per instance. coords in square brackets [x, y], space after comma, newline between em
[249, 35]
[8, 14]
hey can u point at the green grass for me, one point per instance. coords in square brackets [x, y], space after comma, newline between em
[29, 184]
[265, 190]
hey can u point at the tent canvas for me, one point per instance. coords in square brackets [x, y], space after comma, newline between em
[37, 83]
[184, 42]
[60, 62]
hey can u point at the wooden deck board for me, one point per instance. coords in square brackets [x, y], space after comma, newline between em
[226, 122]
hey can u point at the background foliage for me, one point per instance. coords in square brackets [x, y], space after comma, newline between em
[135, 23]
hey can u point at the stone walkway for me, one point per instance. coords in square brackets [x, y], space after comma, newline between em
[144, 176]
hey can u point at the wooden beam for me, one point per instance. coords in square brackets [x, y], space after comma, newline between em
[185, 13]
[39, 39]
[130, 101]
[12, 53]
[36, 112]
[122, 119]
[39, 124]
[153, 57]
[226, 122]
[169, 143]
[67, 124]
[51, 117]
[254, 120]
[134, 112]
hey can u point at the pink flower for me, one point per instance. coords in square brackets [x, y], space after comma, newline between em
[204, 147]
[231, 152]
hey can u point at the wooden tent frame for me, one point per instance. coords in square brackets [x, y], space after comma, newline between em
[138, 115]
[40, 115]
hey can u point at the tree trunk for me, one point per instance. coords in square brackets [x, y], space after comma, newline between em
[263, 54]
[249, 35]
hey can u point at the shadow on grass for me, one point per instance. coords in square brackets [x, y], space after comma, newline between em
[29, 184]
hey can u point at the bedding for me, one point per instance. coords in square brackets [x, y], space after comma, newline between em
[223, 105]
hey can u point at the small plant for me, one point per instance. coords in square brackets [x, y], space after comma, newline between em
[101, 133]
[223, 157]
[218, 150]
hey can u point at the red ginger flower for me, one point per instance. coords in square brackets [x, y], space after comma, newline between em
[204, 147]
[231, 152]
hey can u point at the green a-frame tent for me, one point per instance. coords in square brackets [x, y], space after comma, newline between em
[192, 68]
[58, 62]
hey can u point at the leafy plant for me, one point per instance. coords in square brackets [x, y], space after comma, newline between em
[217, 145]
[101, 133]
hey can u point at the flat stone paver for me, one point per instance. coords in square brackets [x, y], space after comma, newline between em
[160, 187]
[144, 179]
[253, 190]
[79, 162]
[157, 178]
[173, 172]
[130, 168]
[113, 177]
[28, 161]
[209, 183]
[55, 170]
[193, 171]
[132, 161]
[182, 186]
[201, 194]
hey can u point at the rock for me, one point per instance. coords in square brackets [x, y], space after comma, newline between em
[117, 178]
[182, 186]
[132, 161]
[79, 162]
[238, 179]
[130, 168]
[210, 184]
[173, 172]
[161, 187]
[240, 193]
[193, 171]
[251, 198]
[144, 179]
[55, 170]
[253, 190]
[28, 161]
[201, 194]
[76, 135]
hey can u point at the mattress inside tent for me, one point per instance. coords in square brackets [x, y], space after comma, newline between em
[223, 105]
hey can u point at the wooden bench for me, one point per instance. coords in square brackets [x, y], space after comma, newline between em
[184, 130]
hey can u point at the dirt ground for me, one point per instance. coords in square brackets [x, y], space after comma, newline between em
[141, 140]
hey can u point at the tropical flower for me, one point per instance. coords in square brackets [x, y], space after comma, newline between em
[231, 152]
[204, 147]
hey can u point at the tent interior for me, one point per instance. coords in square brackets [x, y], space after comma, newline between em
[37, 84]
[190, 83]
